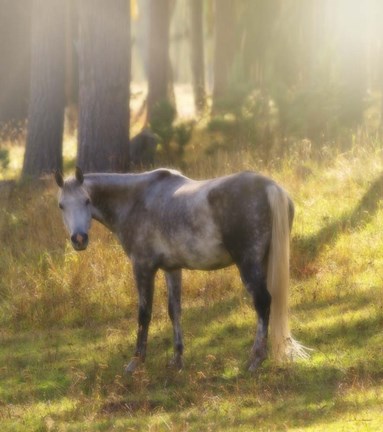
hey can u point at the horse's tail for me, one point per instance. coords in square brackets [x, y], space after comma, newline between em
[282, 344]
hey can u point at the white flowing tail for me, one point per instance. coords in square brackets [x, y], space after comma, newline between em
[283, 346]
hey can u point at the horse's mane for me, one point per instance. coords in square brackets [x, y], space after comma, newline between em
[116, 181]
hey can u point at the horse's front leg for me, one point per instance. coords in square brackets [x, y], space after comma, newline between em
[174, 282]
[144, 276]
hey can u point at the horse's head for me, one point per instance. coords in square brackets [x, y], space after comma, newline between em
[75, 205]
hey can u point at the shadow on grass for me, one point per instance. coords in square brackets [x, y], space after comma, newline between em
[83, 364]
[42, 365]
[308, 248]
[355, 334]
[344, 303]
[298, 394]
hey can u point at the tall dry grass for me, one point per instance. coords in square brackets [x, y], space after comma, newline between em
[68, 319]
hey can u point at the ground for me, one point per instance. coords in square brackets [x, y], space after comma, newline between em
[68, 320]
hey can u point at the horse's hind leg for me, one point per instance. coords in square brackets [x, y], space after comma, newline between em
[173, 282]
[145, 285]
[253, 277]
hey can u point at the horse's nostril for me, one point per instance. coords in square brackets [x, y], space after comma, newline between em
[79, 239]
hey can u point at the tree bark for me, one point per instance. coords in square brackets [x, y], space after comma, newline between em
[158, 67]
[197, 54]
[104, 78]
[43, 152]
[15, 36]
[223, 49]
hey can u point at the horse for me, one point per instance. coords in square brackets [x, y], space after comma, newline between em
[167, 221]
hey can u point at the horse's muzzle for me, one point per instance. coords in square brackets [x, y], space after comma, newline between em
[79, 241]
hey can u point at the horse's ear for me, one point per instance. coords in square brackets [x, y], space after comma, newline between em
[79, 175]
[59, 178]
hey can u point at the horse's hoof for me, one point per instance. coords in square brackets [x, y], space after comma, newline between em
[255, 364]
[176, 363]
[133, 365]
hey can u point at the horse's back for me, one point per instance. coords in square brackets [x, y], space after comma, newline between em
[208, 224]
[182, 230]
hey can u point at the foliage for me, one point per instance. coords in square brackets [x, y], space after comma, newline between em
[4, 158]
[182, 135]
[162, 119]
[12, 136]
[247, 119]
[307, 62]
[163, 124]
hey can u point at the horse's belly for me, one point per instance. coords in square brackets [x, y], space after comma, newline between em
[208, 259]
[194, 253]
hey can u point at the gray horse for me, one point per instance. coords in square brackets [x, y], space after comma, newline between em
[167, 221]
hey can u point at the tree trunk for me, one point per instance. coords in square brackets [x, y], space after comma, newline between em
[71, 61]
[353, 60]
[197, 54]
[224, 44]
[15, 36]
[43, 152]
[104, 78]
[158, 67]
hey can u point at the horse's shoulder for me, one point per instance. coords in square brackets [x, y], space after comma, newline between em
[159, 184]
[161, 173]
[165, 173]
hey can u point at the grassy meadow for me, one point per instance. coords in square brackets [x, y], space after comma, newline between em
[68, 320]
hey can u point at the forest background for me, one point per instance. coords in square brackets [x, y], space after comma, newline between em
[290, 88]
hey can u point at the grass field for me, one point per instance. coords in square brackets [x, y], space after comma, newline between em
[68, 320]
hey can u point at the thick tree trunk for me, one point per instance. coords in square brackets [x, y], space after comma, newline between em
[158, 66]
[197, 54]
[104, 78]
[15, 36]
[43, 152]
[71, 36]
[223, 48]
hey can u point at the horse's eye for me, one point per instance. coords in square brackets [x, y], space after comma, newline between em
[87, 202]
[61, 206]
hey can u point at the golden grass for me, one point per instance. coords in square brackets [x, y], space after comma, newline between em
[68, 320]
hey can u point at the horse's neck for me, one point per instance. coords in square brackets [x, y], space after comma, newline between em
[112, 182]
[114, 195]
[110, 195]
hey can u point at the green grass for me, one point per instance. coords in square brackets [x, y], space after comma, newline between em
[68, 320]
